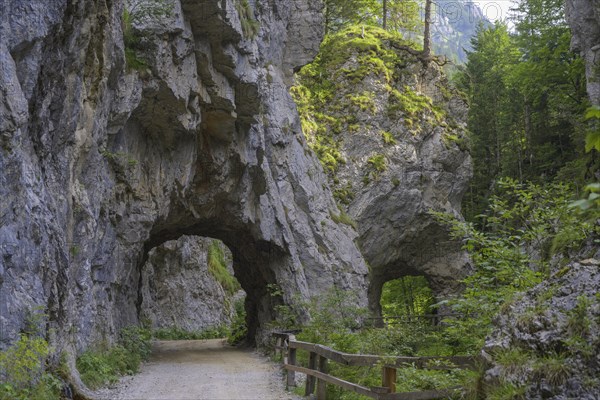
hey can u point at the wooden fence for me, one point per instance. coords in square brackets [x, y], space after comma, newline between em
[319, 356]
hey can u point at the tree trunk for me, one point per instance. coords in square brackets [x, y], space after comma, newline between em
[427, 33]
[385, 12]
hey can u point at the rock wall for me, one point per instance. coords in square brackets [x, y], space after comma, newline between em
[584, 18]
[108, 151]
[178, 289]
[398, 132]
[555, 327]
[427, 169]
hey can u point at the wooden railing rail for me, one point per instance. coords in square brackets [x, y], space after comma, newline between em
[317, 377]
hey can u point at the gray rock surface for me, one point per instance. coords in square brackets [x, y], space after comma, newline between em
[103, 161]
[428, 169]
[179, 291]
[584, 18]
[557, 323]
[402, 140]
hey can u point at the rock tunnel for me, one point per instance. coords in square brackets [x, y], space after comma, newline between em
[106, 159]
[432, 255]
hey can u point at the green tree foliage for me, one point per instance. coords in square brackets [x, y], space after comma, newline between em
[403, 16]
[483, 79]
[524, 227]
[592, 139]
[341, 13]
[527, 97]
[407, 296]
[395, 15]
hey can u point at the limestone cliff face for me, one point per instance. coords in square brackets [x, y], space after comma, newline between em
[102, 159]
[393, 135]
[584, 18]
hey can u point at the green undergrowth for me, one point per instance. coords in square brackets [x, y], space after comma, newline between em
[23, 372]
[238, 330]
[519, 217]
[104, 364]
[338, 323]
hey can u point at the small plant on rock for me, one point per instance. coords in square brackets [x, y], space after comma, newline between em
[136, 12]
[553, 368]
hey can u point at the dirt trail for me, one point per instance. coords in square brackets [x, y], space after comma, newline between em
[202, 370]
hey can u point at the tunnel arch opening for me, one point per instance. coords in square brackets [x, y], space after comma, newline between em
[408, 298]
[188, 289]
[253, 265]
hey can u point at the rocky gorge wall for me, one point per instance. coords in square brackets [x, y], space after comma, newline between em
[104, 158]
[391, 133]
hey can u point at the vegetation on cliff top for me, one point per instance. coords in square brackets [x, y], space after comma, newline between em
[358, 68]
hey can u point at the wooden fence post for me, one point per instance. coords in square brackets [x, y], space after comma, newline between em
[278, 344]
[291, 375]
[389, 379]
[321, 384]
[310, 380]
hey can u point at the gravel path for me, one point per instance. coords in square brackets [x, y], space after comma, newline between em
[202, 370]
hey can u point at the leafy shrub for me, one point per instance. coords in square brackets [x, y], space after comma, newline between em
[338, 323]
[238, 330]
[519, 217]
[137, 340]
[22, 371]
